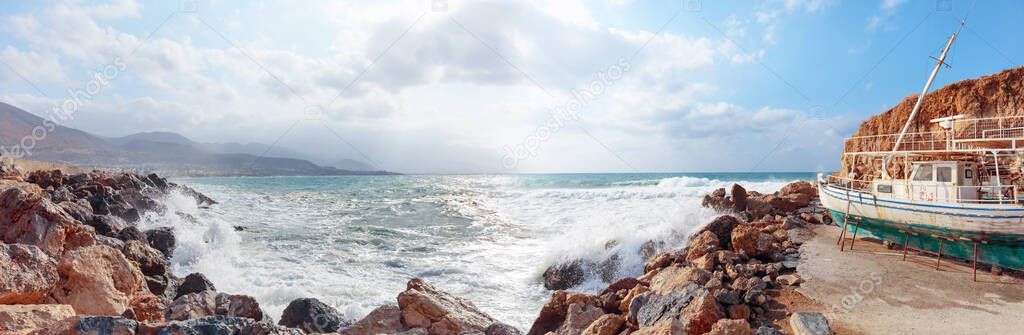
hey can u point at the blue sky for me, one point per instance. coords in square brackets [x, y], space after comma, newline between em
[460, 86]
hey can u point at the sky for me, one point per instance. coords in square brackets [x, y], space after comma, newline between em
[434, 86]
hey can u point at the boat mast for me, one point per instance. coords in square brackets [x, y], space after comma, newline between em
[917, 106]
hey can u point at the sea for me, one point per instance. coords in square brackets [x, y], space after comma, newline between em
[354, 241]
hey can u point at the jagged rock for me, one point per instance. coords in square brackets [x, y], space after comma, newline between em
[131, 233]
[578, 317]
[563, 276]
[728, 297]
[755, 297]
[809, 323]
[723, 226]
[313, 316]
[161, 239]
[740, 312]
[150, 261]
[46, 178]
[158, 285]
[218, 324]
[799, 187]
[608, 324]
[194, 283]
[30, 218]
[27, 274]
[751, 241]
[425, 306]
[654, 308]
[766, 330]
[192, 305]
[97, 280]
[703, 244]
[554, 311]
[241, 306]
[385, 319]
[78, 210]
[701, 314]
[147, 307]
[115, 243]
[731, 327]
[739, 198]
[675, 278]
[659, 261]
[21, 317]
[626, 301]
[667, 327]
[108, 225]
[92, 325]
[799, 235]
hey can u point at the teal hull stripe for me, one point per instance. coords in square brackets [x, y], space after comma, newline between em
[1003, 250]
[842, 197]
[860, 195]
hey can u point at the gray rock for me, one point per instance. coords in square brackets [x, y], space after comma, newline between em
[313, 316]
[563, 276]
[499, 328]
[194, 283]
[728, 297]
[665, 307]
[221, 325]
[161, 239]
[809, 323]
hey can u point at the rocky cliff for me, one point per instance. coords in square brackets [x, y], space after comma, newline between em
[1000, 94]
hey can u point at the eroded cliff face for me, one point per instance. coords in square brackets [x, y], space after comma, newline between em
[1000, 94]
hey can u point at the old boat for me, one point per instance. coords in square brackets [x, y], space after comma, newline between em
[950, 192]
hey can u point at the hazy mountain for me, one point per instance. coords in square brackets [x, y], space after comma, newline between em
[167, 152]
[351, 164]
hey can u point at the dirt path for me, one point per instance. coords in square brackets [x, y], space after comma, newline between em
[870, 290]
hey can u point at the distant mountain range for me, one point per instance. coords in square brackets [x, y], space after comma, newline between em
[165, 152]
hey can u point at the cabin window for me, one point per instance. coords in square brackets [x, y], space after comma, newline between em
[968, 174]
[884, 188]
[924, 173]
[944, 174]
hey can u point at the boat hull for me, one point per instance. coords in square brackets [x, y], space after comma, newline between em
[996, 232]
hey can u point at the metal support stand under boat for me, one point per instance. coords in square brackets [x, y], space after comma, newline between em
[846, 220]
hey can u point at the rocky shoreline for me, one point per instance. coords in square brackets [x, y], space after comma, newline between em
[74, 262]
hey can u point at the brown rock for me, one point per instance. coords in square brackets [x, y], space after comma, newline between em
[26, 216]
[739, 312]
[731, 327]
[147, 308]
[578, 318]
[703, 244]
[667, 327]
[93, 325]
[799, 187]
[676, 277]
[706, 262]
[608, 324]
[385, 319]
[425, 306]
[659, 261]
[240, 306]
[701, 314]
[150, 261]
[21, 317]
[192, 305]
[554, 312]
[722, 226]
[789, 280]
[97, 280]
[27, 274]
[739, 198]
[751, 241]
[628, 299]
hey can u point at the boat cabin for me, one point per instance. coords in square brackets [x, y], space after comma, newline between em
[948, 182]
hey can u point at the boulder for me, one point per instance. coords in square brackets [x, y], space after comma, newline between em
[608, 324]
[161, 239]
[739, 198]
[731, 327]
[194, 283]
[738, 312]
[553, 313]
[150, 261]
[27, 274]
[109, 241]
[21, 317]
[192, 305]
[799, 235]
[702, 244]
[702, 313]
[499, 328]
[425, 306]
[97, 280]
[789, 280]
[78, 210]
[809, 323]
[655, 308]
[147, 308]
[675, 278]
[723, 226]
[385, 319]
[578, 317]
[563, 276]
[667, 327]
[26, 216]
[632, 293]
[241, 306]
[93, 325]
[659, 261]
[313, 316]
[131, 233]
[728, 297]
[218, 324]
[46, 179]
[107, 225]
[799, 187]
[751, 241]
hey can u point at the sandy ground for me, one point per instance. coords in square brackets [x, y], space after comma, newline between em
[871, 290]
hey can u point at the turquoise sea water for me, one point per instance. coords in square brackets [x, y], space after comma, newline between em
[353, 242]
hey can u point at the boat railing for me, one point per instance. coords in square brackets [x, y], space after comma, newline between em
[959, 134]
[925, 192]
